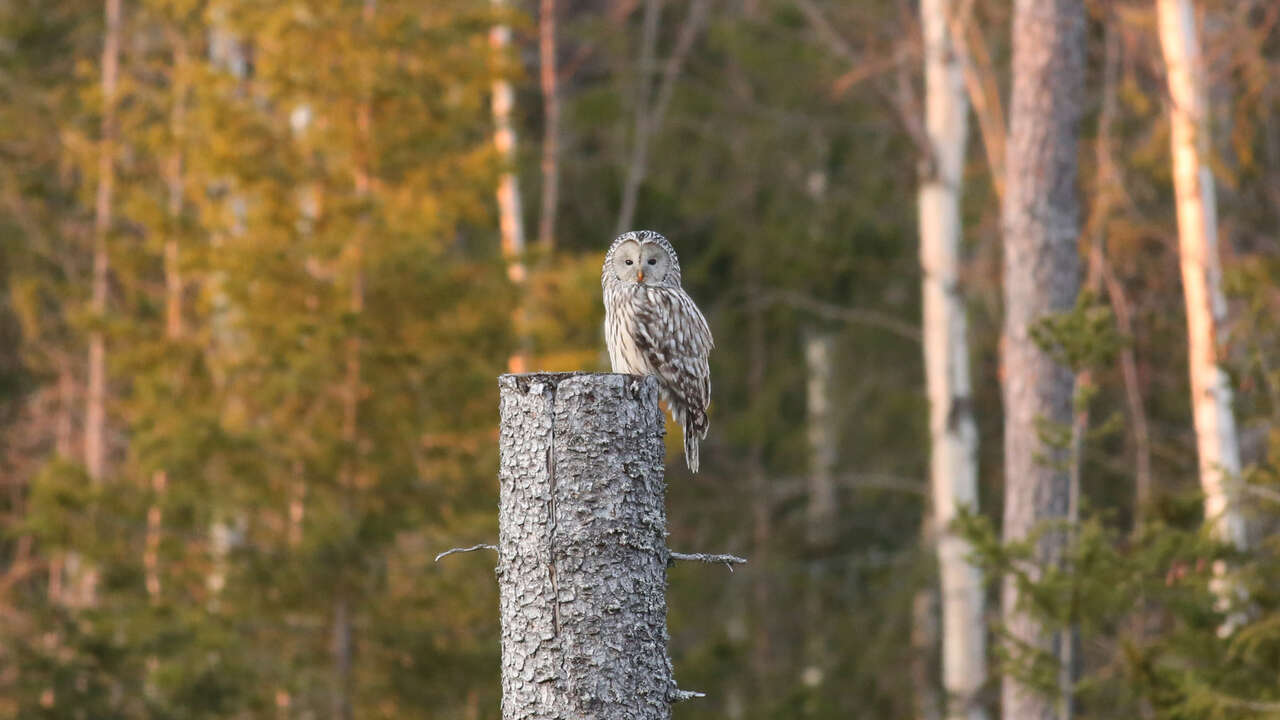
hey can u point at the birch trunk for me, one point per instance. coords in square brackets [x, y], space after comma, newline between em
[1041, 276]
[820, 513]
[1216, 440]
[227, 51]
[504, 139]
[510, 213]
[953, 433]
[95, 452]
[582, 554]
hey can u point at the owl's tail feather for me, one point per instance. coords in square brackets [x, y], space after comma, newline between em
[691, 447]
[695, 429]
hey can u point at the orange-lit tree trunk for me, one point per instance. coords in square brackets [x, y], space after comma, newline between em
[551, 131]
[510, 214]
[1211, 401]
[95, 451]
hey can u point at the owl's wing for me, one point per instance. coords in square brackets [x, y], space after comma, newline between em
[675, 339]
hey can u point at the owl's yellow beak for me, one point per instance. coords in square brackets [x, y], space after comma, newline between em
[639, 276]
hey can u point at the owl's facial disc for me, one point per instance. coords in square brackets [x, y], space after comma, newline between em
[627, 264]
[641, 263]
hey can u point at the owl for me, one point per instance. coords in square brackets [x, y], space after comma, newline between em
[652, 327]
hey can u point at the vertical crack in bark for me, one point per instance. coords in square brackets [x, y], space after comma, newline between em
[551, 542]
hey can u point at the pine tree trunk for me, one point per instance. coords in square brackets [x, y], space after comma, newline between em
[952, 430]
[173, 295]
[340, 693]
[95, 451]
[64, 429]
[1041, 276]
[762, 628]
[582, 554]
[1216, 439]
[343, 610]
[551, 131]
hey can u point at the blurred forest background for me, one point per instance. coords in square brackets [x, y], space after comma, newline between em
[262, 262]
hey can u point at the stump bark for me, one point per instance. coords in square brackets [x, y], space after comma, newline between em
[582, 551]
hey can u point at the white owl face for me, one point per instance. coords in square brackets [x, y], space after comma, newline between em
[644, 263]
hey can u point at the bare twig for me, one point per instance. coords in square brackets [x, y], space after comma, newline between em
[871, 68]
[473, 548]
[1254, 705]
[902, 100]
[1262, 492]
[984, 94]
[679, 695]
[827, 33]
[728, 560]
[786, 488]
[651, 108]
[831, 311]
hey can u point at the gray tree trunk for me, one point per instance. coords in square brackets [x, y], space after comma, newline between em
[582, 551]
[1041, 276]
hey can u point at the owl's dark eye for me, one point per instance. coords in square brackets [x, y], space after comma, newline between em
[630, 262]
[653, 261]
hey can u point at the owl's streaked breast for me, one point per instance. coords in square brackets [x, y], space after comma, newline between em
[620, 332]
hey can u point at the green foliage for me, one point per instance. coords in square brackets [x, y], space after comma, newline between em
[1147, 614]
[1083, 337]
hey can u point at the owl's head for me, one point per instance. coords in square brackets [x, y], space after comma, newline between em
[643, 257]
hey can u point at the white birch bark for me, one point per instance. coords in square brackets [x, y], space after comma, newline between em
[226, 51]
[953, 433]
[582, 553]
[820, 512]
[510, 212]
[1216, 439]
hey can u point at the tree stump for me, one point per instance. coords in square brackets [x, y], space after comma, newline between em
[582, 553]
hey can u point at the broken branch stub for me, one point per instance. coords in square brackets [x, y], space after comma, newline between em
[582, 554]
